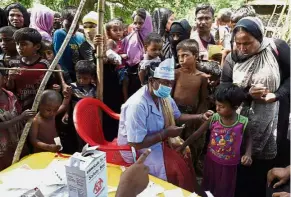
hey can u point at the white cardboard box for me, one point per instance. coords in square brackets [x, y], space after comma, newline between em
[86, 174]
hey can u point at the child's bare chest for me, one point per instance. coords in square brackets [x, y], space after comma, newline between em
[189, 82]
[47, 131]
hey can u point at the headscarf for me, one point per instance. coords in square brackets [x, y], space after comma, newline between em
[3, 18]
[91, 17]
[133, 43]
[184, 29]
[42, 19]
[259, 68]
[160, 20]
[22, 9]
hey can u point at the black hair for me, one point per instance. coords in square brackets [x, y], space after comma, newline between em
[141, 13]
[204, 6]
[8, 30]
[57, 15]
[224, 15]
[189, 45]
[27, 34]
[46, 45]
[69, 13]
[85, 67]
[243, 11]
[231, 94]
[3, 18]
[112, 22]
[51, 96]
[153, 37]
[22, 9]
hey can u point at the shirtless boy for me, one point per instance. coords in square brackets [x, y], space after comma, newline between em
[43, 126]
[190, 92]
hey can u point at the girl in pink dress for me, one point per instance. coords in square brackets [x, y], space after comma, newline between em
[227, 131]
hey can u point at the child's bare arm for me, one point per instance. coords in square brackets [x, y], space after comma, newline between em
[247, 157]
[37, 143]
[65, 105]
[203, 128]
[141, 75]
[202, 106]
[27, 114]
[110, 44]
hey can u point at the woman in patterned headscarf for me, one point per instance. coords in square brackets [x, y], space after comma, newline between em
[260, 66]
[17, 15]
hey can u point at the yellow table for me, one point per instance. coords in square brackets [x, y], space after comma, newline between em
[42, 160]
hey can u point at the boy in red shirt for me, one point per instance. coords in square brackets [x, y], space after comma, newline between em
[25, 83]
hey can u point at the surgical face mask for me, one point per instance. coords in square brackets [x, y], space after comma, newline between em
[163, 91]
[90, 33]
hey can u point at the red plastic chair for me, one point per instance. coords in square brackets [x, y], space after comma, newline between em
[87, 123]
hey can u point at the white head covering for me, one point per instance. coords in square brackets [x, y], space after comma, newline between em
[165, 70]
[91, 17]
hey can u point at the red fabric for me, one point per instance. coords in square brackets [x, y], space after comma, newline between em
[179, 170]
[27, 83]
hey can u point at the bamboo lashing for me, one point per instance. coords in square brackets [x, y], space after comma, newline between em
[99, 51]
[35, 69]
[44, 82]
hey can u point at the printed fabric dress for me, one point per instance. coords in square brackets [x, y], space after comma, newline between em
[223, 156]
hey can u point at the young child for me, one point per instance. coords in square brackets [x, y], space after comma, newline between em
[11, 124]
[85, 73]
[190, 92]
[227, 131]
[153, 45]
[114, 29]
[8, 47]
[25, 83]
[43, 129]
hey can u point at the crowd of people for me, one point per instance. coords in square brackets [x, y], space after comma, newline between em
[222, 116]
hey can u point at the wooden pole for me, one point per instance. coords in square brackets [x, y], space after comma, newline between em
[99, 51]
[35, 69]
[44, 82]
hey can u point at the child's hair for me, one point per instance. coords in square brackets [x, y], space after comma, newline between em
[27, 34]
[69, 13]
[231, 94]
[243, 11]
[224, 15]
[8, 30]
[46, 45]
[204, 6]
[153, 37]
[112, 22]
[51, 96]
[85, 67]
[189, 45]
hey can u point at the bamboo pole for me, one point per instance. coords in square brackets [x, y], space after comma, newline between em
[25, 69]
[99, 51]
[44, 82]
[274, 11]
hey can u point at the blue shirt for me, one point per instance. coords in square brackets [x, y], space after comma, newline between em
[71, 54]
[140, 117]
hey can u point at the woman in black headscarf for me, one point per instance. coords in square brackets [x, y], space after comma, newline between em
[179, 31]
[162, 21]
[17, 15]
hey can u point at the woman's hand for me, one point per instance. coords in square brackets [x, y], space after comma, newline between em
[246, 160]
[257, 91]
[281, 194]
[270, 98]
[207, 115]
